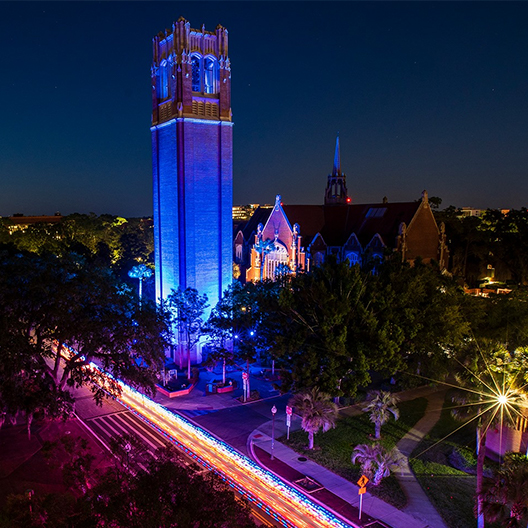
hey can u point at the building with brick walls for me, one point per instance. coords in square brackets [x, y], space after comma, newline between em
[192, 160]
[291, 238]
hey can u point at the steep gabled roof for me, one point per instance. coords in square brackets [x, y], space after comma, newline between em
[337, 223]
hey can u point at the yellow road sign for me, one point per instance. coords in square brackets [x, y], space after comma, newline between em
[362, 482]
[362, 490]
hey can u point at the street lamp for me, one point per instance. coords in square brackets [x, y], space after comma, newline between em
[273, 413]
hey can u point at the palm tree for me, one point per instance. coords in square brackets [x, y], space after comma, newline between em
[365, 455]
[381, 405]
[317, 411]
[376, 461]
[505, 499]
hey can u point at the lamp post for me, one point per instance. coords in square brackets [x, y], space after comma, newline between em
[273, 413]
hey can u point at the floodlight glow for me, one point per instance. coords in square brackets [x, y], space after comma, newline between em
[502, 399]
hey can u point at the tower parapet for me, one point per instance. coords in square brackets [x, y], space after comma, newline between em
[191, 74]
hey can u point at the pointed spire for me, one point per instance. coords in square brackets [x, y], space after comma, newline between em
[336, 190]
[337, 159]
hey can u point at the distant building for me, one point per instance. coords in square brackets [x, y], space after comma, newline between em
[19, 221]
[242, 213]
[470, 211]
[291, 238]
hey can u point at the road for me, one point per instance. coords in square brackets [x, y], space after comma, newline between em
[235, 424]
[115, 420]
[286, 504]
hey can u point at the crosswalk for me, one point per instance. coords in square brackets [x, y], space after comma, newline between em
[191, 413]
[122, 423]
[116, 424]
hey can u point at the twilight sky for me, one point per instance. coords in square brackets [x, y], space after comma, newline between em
[425, 95]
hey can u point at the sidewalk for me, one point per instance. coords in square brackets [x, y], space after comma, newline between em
[418, 503]
[340, 495]
[199, 400]
[336, 493]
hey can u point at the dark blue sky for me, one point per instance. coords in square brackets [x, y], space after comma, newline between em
[424, 95]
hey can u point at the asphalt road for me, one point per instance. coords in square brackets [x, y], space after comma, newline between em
[234, 424]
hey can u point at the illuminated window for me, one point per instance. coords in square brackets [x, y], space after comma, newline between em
[163, 88]
[204, 74]
[275, 259]
[319, 258]
[196, 73]
[376, 212]
[353, 257]
[209, 75]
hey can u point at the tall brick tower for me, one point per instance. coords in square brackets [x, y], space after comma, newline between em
[192, 160]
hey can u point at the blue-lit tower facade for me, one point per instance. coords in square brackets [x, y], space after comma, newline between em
[192, 160]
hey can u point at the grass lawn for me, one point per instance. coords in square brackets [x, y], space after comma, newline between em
[450, 490]
[334, 448]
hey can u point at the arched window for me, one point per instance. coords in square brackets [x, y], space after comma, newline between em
[163, 88]
[196, 62]
[204, 74]
[353, 257]
[209, 75]
[277, 257]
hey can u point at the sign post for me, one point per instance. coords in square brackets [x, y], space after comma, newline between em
[362, 483]
[245, 384]
[273, 413]
[289, 412]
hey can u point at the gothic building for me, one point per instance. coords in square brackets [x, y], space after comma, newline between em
[192, 160]
[289, 238]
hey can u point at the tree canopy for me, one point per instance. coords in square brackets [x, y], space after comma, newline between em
[57, 315]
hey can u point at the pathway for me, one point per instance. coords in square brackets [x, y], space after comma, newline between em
[418, 503]
[419, 512]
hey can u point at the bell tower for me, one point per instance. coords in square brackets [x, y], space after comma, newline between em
[192, 160]
[336, 190]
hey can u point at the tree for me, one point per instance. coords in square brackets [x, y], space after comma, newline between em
[60, 314]
[420, 319]
[380, 406]
[140, 272]
[329, 332]
[187, 308]
[492, 382]
[167, 490]
[376, 461]
[71, 454]
[316, 410]
[505, 498]
[162, 492]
